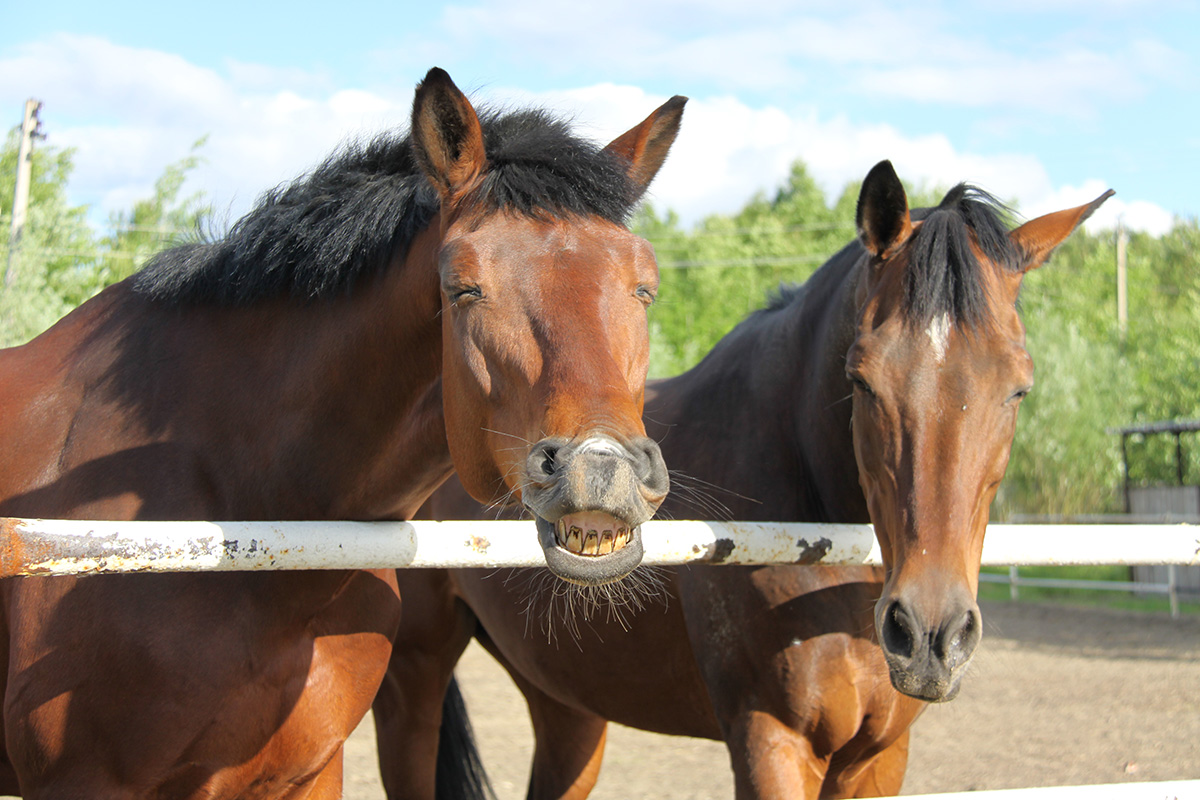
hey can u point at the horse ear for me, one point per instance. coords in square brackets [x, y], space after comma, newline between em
[882, 215]
[447, 139]
[645, 147]
[1037, 238]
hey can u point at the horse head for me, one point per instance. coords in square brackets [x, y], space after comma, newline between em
[545, 344]
[939, 369]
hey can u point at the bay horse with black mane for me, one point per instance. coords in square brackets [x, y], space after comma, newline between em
[415, 305]
[884, 389]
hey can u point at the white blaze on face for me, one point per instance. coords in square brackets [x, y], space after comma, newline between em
[939, 336]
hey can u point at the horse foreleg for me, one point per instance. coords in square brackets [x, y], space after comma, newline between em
[568, 748]
[568, 742]
[879, 775]
[772, 761]
[328, 783]
[435, 628]
[408, 713]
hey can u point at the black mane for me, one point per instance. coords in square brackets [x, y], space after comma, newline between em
[317, 236]
[943, 274]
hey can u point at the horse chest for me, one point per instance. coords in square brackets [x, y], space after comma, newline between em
[208, 685]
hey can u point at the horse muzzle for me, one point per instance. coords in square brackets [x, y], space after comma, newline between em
[927, 657]
[590, 499]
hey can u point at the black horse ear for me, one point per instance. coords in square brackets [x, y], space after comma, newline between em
[882, 215]
[645, 146]
[447, 138]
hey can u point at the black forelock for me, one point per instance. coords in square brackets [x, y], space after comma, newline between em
[944, 275]
[536, 165]
[315, 237]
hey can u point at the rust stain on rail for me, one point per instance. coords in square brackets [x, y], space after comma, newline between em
[23, 552]
[27, 551]
[13, 550]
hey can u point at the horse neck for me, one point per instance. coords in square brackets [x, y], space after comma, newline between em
[825, 438]
[327, 409]
[766, 415]
[388, 375]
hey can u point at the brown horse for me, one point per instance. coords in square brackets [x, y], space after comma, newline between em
[464, 297]
[884, 389]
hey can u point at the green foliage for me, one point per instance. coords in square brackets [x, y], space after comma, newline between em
[1091, 378]
[715, 275]
[156, 222]
[1063, 460]
[48, 274]
[718, 273]
[60, 260]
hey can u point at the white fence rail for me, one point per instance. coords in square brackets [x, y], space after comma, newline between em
[72, 547]
[1164, 790]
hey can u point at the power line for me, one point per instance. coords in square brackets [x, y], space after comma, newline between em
[831, 226]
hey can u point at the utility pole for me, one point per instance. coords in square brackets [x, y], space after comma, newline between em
[1122, 294]
[30, 129]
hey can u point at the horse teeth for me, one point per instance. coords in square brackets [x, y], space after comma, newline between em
[607, 536]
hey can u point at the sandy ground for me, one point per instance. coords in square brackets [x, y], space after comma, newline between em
[1056, 696]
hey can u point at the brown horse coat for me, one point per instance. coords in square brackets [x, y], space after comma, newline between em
[414, 305]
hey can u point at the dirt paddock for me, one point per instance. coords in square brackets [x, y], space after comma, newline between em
[1056, 696]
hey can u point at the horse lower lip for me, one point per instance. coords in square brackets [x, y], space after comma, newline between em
[592, 533]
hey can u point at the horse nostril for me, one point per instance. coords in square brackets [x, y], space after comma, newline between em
[897, 632]
[649, 465]
[959, 644]
[548, 463]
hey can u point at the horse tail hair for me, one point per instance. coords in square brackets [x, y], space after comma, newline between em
[460, 772]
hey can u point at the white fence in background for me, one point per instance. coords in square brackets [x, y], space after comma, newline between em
[1015, 581]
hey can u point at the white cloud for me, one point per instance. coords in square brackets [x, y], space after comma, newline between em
[727, 151]
[1069, 80]
[145, 109]
[92, 76]
[268, 127]
[925, 53]
[1137, 215]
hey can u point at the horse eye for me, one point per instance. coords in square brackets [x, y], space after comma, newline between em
[645, 294]
[1020, 394]
[463, 294]
[859, 384]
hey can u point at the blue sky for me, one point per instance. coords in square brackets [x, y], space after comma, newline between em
[1046, 102]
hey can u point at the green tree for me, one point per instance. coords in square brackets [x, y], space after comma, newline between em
[61, 261]
[157, 222]
[1092, 379]
[50, 270]
[715, 275]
